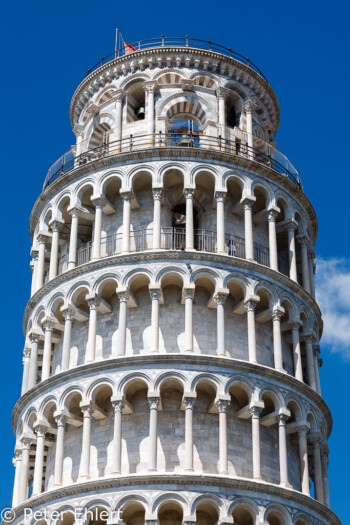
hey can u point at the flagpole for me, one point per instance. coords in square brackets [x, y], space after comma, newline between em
[116, 43]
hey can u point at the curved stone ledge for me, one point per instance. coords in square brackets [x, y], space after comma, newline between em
[168, 154]
[165, 255]
[172, 360]
[224, 487]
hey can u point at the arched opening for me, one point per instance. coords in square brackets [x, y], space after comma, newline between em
[135, 440]
[287, 341]
[170, 513]
[205, 422]
[85, 224]
[141, 226]
[57, 335]
[73, 438]
[204, 317]
[205, 224]
[238, 425]
[243, 516]
[99, 140]
[207, 513]
[101, 443]
[174, 211]
[263, 328]
[139, 330]
[135, 103]
[112, 223]
[66, 518]
[274, 517]
[261, 232]
[133, 514]
[234, 220]
[97, 516]
[49, 451]
[64, 234]
[171, 436]
[107, 326]
[269, 441]
[79, 339]
[174, 342]
[235, 321]
[282, 237]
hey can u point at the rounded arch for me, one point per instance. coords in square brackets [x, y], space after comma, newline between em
[204, 80]
[169, 78]
[272, 393]
[114, 177]
[246, 384]
[131, 498]
[138, 378]
[176, 377]
[98, 384]
[102, 280]
[208, 381]
[47, 407]
[206, 498]
[68, 394]
[180, 104]
[172, 271]
[137, 274]
[244, 503]
[169, 497]
[277, 515]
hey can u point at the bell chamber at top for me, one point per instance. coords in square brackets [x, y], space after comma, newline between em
[172, 338]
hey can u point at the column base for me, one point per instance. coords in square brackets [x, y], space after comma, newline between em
[83, 477]
[258, 478]
[282, 370]
[57, 485]
[286, 485]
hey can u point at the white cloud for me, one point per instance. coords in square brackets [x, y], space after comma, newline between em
[333, 296]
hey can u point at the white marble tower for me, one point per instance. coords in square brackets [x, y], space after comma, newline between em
[171, 360]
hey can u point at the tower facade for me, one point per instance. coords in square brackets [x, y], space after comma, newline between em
[171, 360]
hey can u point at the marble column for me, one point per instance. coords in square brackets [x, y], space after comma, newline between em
[189, 218]
[277, 339]
[35, 255]
[68, 314]
[317, 368]
[249, 106]
[149, 87]
[250, 306]
[155, 293]
[23, 481]
[41, 261]
[189, 294]
[282, 446]
[118, 406]
[318, 479]
[153, 437]
[324, 464]
[39, 459]
[272, 216]
[56, 227]
[304, 241]
[59, 454]
[73, 240]
[220, 221]
[303, 459]
[248, 229]
[84, 472]
[220, 94]
[26, 365]
[298, 369]
[310, 365]
[93, 302]
[291, 227]
[220, 298]
[118, 120]
[123, 305]
[222, 405]
[188, 402]
[33, 365]
[47, 325]
[126, 196]
[311, 256]
[157, 201]
[96, 244]
[17, 462]
[255, 413]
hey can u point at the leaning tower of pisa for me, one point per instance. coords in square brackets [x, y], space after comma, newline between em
[171, 357]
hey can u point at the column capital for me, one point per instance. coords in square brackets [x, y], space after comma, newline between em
[296, 324]
[307, 337]
[118, 95]
[222, 404]
[93, 300]
[188, 192]
[34, 337]
[40, 429]
[282, 419]
[68, 312]
[149, 86]
[250, 106]
[188, 291]
[56, 225]
[277, 313]
[303, 240]
[47, 323]
[42, 238]
[26, 442]
[291, 226]
[153, 402]
[123, 296]
[87, 409]
[251, 302]
[118, 405]
[303, 430]
[60, 419]
[256, 409]
[272, 215]
[157, 193]
[126, 195]
[220, 296]
[78, 130]
[34, 253]
[26, 352]
[155, 293]
[221, 92]
[220, 196]
[188, 401]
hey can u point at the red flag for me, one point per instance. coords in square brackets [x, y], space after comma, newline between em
[128, 48]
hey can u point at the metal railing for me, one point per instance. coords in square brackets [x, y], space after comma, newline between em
[165, 41]
[261, 152]
[170, 239]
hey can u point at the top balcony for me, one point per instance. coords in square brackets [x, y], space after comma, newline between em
[175, 42]
[261, 152]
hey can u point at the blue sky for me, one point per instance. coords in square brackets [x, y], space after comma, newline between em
[301, 47]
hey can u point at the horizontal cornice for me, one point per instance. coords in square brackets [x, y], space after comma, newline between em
[183, 481]
[171, 361]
